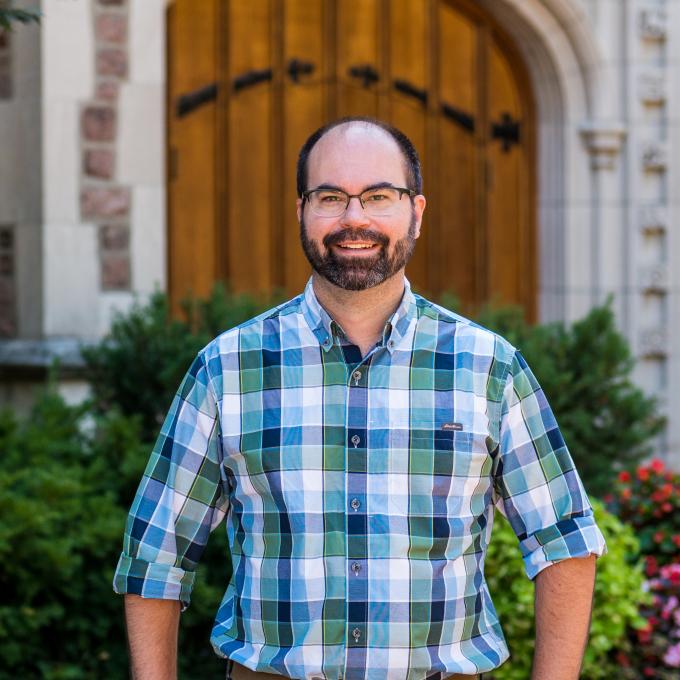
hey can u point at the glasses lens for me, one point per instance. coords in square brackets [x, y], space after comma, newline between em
[328, 203]
[380, 201]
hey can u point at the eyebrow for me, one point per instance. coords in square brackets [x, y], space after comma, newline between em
[335, 187]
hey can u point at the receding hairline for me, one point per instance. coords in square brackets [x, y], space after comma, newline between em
[344, 128]
[404, 144]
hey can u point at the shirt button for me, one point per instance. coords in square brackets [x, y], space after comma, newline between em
[355, 440]
[356, 568]
[355, 503]
[357, 377]
[390, 344]
[356, 633]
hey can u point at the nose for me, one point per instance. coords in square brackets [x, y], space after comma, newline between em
[354, 213]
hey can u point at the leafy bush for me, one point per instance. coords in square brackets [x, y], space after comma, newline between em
[140, 364]
[648, 499]
[585, 370]
[618, 594]
[66, 483]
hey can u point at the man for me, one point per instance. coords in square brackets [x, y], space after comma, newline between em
[357, 439]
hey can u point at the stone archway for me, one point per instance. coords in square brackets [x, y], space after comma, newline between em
[564, 62]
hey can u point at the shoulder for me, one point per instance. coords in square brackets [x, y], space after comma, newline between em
[464, 334]
[223, 349]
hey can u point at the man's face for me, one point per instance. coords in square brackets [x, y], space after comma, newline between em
[354, 158]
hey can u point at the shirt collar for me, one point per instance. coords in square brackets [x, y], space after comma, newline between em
[327, 330]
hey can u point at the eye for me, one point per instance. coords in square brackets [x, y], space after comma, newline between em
[329, 197]
[377, 198]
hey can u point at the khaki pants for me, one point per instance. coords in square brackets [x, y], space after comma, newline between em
[237, 672]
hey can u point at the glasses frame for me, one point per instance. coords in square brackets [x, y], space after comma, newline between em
[402, 190]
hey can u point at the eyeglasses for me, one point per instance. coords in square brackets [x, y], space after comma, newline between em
[377, 202]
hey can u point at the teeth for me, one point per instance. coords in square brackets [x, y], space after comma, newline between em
[356, 245]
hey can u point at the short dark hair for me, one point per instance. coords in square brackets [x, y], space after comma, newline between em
[413, 177]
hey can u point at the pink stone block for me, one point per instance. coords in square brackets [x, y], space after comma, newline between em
[107, 90]
[114, 237]
[115, 271]
[98, 123]
[98, 163]
[104, 202]
[112, 62]
[111, 28]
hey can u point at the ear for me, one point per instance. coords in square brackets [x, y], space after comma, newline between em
[419, 203]
[298, 206]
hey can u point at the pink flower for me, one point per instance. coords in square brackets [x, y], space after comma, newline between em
[672, 656]
[657, 466]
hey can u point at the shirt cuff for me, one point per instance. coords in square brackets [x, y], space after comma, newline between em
[154, 580]
[576, 537]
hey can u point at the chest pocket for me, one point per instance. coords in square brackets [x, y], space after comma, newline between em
[436, 472]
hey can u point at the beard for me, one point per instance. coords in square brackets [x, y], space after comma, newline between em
[358, 273]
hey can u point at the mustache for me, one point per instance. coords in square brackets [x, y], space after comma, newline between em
[355, 235]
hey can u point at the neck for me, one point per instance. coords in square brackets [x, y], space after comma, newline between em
[362, 314]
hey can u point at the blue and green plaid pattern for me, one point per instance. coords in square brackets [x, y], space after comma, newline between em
[359, 492]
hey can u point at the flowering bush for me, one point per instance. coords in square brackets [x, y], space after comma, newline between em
[654, 651]
[648, 499]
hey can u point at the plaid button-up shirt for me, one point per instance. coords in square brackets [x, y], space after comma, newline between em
[358, 491]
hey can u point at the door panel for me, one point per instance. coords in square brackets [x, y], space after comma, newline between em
[510, 279]
[440, 70]
[359, 73]
[192, 201]
[304, 103]
[456, 175]
[410, 80]
[249, 223]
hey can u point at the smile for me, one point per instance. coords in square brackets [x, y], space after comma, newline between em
[356, 246]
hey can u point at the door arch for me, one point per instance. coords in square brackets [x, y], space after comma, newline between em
[247, 82]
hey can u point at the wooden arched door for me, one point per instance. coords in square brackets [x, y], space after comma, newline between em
[248, 81]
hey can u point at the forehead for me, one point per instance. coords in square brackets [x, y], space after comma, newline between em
[355, 156]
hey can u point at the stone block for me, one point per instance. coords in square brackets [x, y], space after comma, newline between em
[114, 237]
[104, 202]
[98, 123]
[107, 90]
[111, 28]
[98, 163]
[6, 290]
[6, 264]
[115, 271]
[112, 62]
[5, 75]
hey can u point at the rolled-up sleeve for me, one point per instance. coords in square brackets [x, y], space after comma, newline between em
[538, 488]
[182, 497]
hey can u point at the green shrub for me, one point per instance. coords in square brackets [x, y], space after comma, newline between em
[585, 371]
[618, 594]
[66, 484]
